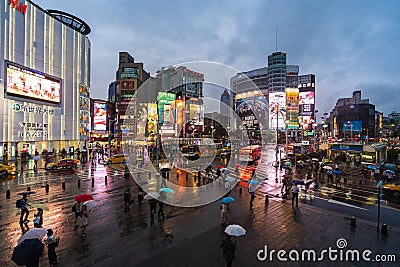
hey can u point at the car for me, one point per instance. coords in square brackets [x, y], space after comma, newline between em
[393, 188]
[6, 170]
[63, 164]
[118, 158]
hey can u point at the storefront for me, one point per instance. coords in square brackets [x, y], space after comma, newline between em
[358, 153]
[41, 105]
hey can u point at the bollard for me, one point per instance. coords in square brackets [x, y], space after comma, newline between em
[199, 175]
[79, 183]
[47, 188]
[92, 181]
[105, 179]
[8, 194]
[240, 190]
[353, 221]
[149, 175]
[28, 188]
[194, 178]
[63, 185]
[384, 230]
[177, 176]
[22, 169]
[266, 199]
[187, 176]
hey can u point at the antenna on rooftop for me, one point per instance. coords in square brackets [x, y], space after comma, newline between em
[276, 38]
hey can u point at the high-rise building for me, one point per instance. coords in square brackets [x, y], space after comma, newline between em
[292, 74]
[277, 72]
[226, 103]
[129, 77]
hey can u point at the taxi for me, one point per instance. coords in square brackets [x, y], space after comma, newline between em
[63, 164]
[117, 158]
[6, 170]
[394, 188]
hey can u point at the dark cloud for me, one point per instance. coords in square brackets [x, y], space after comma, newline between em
[346, 44]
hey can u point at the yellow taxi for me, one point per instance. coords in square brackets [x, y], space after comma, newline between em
[63, 164]
[6, 170]
[117, 158]
[394, 188]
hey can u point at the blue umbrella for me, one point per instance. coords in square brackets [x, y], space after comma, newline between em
[298, 182]
[165, 170]
[28, 252]
[230, 179]
[253, 182]
[337, 172]
[372, 167]
[166, 190]
[226, 200]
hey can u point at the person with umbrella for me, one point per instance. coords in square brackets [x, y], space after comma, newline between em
[52, 243]
[225, 210]
[140, 195]
[127, 199]
[228, 250]
[24, 210]
[252, 189]
[295, 194]
[84, 220]
[38, 220]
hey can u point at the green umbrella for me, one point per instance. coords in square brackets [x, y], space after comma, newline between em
[288, 163]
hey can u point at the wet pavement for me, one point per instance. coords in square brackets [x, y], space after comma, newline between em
[188, 236]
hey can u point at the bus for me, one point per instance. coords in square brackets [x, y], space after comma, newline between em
[250, 153]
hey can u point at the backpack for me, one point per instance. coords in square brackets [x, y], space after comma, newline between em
[18, 204]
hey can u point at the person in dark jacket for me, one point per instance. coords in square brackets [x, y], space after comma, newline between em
[153, 207]
[228, 250]
[127, 199]
[52, 243]
[160, 213]
[140, 195]
[24, 209]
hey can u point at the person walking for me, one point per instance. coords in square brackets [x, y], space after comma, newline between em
[228, 250]
[24, 209]
[52, 243]
[140, 195]
[76, 209]
[295, 195]
[153, 206]
[225, 210]
[84, 220]
[38, 220]
[252, 190]
[160, 213]
[127, 199]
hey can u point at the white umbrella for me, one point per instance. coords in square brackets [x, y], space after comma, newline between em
[33, 233]
[327, 168]
[151, 195]
[235, 230]
[90, 204]
[230, 179]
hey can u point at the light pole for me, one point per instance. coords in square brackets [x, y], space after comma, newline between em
[212, 132]
[286, 133]
[314, 127]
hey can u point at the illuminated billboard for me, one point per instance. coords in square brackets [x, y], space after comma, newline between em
[277, 102]
[100, 117]
[32, 84]
[352, 126]
[292, 99]
[164, 101]
[152, 118]
[251, 109]
[306, 103]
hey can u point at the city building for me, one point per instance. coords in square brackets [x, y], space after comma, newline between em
[354, 118]
[45, 79]
[129, 77]
[226, 104]
[101, 114]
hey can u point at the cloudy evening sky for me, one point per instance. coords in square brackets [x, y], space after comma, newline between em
[348, 45]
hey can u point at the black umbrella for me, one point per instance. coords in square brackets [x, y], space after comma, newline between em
[298, 182]
[27, 193]
[29, 251]
[165, 170]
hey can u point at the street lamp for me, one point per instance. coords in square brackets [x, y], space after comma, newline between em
[314, 128]
[212, 132]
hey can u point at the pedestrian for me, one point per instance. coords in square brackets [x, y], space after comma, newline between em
[218, 173]
[140, 195]
[52, 243]
[38, 220]
[84, 220]
[228, 250]
[225, 210]
[295, 195]
[163, 178]
[76, 209]
[160, 213]
[152, 203]
[284, 187]
[24, 210]
[252, 190]
[127, 199]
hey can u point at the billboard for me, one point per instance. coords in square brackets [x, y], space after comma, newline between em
[306, 103]
[277, 101]
[100, 116]
[151, 118]
[196, 115]
[251, 110]
[352, 126]
[164, 101]
[32, 84]
[292, 100]
[130, 73]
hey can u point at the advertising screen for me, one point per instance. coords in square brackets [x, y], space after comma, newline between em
[292, 99]
[277, 101]
[306, 103]
[100, 117]
[32, 84]
[251, 110]
[164, 101]
[352, 125]
[152, 118]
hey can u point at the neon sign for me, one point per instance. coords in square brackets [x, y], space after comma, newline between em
[21, 7]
